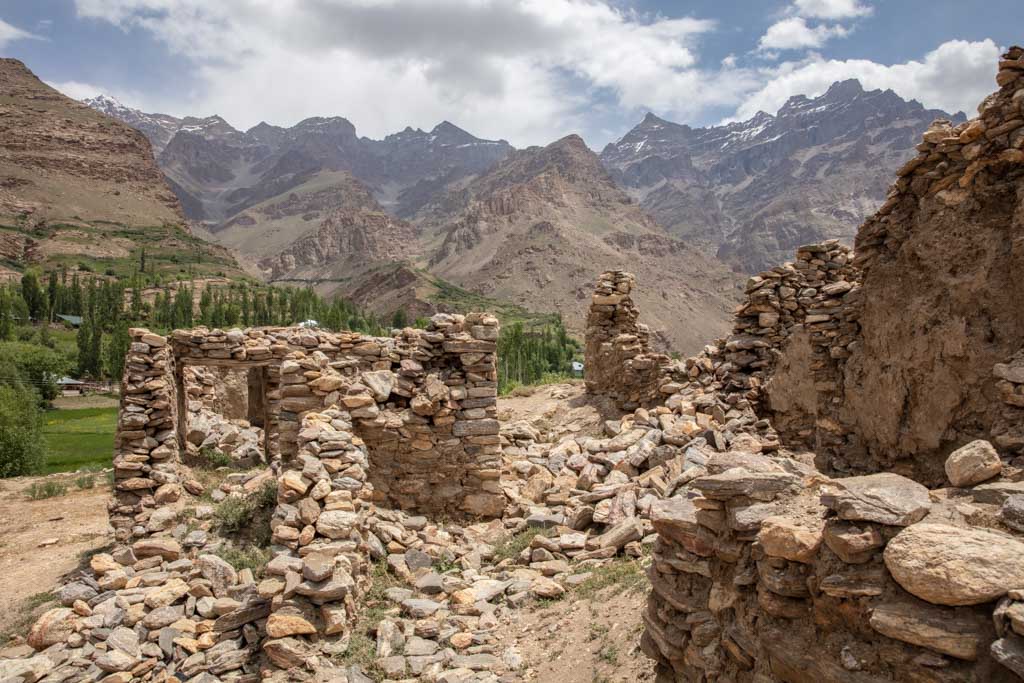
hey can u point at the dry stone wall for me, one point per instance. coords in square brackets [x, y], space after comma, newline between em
[767, 569]
[424, 400]
[941, 297]
[619, 362]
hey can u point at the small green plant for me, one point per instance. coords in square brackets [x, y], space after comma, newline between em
[247, 557]
[85, 481]
[37, 600]
[511, 546]
[248, 516]
[609, 653]
[46, 489]
[212, 458]
[622, 575]
[362, 648]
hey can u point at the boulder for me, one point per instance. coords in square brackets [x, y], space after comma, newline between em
[972, 464]
[948, 565]
[53, 627]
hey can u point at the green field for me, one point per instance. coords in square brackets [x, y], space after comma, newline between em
[79, 438]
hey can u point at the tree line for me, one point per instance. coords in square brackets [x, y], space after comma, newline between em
[534, 354]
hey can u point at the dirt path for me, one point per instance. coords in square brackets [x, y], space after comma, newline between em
[44, 539]
[593, 639]
[557, 409]
[90, 401]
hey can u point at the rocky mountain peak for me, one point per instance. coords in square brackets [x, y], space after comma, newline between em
[754, 190]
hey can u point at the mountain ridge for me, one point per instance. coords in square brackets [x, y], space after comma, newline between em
[751, 191]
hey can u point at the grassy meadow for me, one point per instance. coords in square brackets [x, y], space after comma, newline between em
[79, 438]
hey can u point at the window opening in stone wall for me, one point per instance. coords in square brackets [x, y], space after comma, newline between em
[224, 414]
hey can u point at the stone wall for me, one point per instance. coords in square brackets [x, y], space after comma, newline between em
[766, 570]
[619, 362]
[784, 358]
[941, 298]
[424, 401]
[906, 361]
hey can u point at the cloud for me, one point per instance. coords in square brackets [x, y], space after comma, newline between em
[9, 34]
[78, 90]
[527, 70]
[794, 33]
[831, 9]
[955, 76]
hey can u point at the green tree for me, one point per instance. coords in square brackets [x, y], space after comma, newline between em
[32, 293]
[21, 438]
[400, 319]
[117, 349]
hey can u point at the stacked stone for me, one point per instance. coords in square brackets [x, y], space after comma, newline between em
[951, 158]
[439, 448]
[145, 442]
[619, 362]
[320, 523]
[764, 569]
[811, 300]
[1008, 428]
[149, 612]
[425, 400]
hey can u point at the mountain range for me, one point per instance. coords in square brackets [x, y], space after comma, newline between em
[752, 191]
[82, 190]
[429, 220]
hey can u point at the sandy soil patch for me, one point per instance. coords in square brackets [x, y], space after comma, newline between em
[44, 539]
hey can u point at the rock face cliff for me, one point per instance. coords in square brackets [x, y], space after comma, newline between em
[942, 291]
[535, 229]
[752, 191]
[60, 160]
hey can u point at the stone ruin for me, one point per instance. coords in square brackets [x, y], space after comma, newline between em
[347, 421]
[423, 402]
[901, 366]
[791, 537]
[620, 364]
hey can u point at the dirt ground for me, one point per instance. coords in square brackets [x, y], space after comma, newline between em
[557, 409]
[595, 639]
[44, 539]
[89, 401]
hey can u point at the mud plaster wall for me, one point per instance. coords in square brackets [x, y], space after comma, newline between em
[423, 400]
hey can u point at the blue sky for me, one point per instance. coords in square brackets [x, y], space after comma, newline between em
[529, 71]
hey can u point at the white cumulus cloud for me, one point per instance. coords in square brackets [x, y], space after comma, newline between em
[831, 9]
[955, 76]
[527, 70]
[794, 33]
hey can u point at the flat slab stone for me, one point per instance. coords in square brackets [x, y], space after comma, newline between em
[995, 493]
[764, 486]
[884, 498]
[1009, 652]
[948, 565]
[943, 630]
